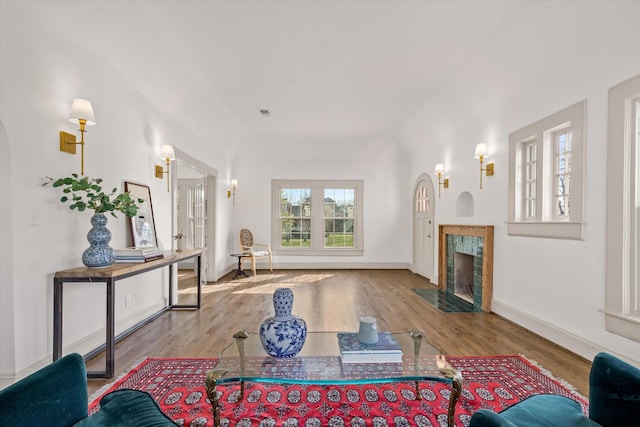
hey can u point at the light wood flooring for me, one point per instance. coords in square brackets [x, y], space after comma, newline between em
[333, 300]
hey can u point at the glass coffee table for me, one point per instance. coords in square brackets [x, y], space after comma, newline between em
[319, 363]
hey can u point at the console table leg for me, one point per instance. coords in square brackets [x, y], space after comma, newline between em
[170, 285]
[57, 319]
[111, 323]
[199, 278]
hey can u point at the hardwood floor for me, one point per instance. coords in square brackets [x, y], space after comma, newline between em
[333, 300]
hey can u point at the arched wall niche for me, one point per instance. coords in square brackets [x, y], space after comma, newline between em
[465, 205]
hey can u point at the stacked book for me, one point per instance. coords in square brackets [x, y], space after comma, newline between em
[136, 255]
[386, 350]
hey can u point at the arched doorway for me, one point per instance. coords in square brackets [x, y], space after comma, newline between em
[423, 227]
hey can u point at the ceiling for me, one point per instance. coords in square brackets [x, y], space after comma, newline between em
[323, 69]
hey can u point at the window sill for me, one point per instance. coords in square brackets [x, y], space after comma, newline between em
[623, 324]
[319, 252]
[554, 230]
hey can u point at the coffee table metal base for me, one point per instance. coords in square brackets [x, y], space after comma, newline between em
[219, 375]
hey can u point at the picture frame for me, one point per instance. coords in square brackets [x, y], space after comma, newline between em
[143, 225]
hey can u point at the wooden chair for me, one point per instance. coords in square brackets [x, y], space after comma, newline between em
[256, 250]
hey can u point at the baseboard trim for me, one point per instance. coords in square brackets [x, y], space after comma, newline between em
[338, 266]
[563, 338]
[83, 345]
[325, 266]
[6, 379]
[97, 338]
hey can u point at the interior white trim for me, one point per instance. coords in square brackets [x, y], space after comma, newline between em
[543, 225]
[563, 338]
[338, 266]
[317, 187]
[211, 175]
[621, 237]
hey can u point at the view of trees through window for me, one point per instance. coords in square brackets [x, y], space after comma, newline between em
[338, 217]
[563, 173]
[295, 217]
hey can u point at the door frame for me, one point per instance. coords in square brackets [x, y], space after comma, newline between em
[211, 175]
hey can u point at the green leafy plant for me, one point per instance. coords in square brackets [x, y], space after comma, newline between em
[84, 193]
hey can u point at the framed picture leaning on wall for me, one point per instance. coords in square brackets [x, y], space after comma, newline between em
[143, 227]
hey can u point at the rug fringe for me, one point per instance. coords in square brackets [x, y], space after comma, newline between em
[98, 393]
[570, 387]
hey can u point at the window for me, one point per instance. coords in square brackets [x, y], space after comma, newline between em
[422, 200]
[546, 160]
[295, 217]
[530, 181]
[338, 217]
[314, 217]
[562, 178]
[623, 210]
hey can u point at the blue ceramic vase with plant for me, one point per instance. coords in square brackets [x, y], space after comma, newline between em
[85, 193]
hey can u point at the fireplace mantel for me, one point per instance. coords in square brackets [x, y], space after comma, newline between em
[483, 231]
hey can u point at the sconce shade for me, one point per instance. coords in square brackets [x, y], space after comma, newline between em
[439, 168]
[481, 150]
[167, 152]
[81, 109]
[231, 192]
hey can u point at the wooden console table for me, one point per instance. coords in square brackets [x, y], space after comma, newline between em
[109, 276]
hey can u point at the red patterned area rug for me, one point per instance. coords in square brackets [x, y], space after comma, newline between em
[493, 382]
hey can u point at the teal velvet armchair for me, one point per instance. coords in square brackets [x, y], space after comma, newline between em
[614, 400]
[56, 396]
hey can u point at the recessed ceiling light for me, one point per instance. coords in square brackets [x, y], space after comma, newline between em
[264, 112]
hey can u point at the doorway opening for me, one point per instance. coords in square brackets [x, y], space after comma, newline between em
[193, 219]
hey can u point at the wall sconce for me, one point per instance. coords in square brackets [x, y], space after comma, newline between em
[232, 191]
[441, 183]
[481, 153]
[167, 154]
[81, 114]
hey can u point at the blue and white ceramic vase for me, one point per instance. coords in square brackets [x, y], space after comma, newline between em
[283, 335]
[99, 254]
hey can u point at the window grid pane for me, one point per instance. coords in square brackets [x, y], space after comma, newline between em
[339, 205]
[530, 181]
[422, 200]
[295, 217]
[562, 174]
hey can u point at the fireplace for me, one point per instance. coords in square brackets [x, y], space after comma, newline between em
[466, 263]
[463, 276]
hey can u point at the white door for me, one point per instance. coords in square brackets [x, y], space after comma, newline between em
[192, 217]
[423, 228]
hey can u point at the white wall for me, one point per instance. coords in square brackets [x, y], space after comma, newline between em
[554, 287]
[546, 56]
[380, 162]
[42, 69]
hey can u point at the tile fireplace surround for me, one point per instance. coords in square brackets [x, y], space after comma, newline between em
[473, 240]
